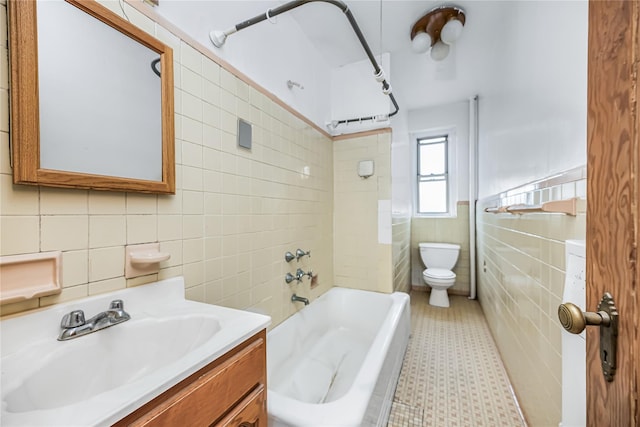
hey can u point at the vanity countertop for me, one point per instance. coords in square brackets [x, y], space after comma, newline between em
[99, 378]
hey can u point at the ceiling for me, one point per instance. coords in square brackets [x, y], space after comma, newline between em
[417, 80]
[385, 24]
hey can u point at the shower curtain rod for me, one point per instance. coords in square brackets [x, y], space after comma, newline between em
[218, 38]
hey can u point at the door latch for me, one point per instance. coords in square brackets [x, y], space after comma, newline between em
[574, 320]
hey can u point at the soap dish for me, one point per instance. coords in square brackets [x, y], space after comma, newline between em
[144, 259]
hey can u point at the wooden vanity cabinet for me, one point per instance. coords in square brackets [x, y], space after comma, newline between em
[231, 392]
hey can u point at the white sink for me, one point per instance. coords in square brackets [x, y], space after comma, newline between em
[101, 377]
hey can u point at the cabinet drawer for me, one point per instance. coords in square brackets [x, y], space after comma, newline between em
[248, 413]
[209, 397]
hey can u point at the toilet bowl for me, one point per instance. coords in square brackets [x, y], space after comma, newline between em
[439, 258]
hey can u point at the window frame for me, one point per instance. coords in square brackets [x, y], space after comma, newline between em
[451, 163]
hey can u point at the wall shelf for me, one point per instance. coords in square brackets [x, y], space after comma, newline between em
[30, 276]
[567, 206]
[144, 259]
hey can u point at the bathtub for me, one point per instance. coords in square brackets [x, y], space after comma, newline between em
[336, 362]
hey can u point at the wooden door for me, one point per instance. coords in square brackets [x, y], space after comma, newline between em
[613, 157]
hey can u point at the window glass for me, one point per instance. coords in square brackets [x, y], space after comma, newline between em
[433, 196]
[432, 179]
[432, 159]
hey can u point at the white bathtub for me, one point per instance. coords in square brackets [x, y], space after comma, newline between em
[336, 362]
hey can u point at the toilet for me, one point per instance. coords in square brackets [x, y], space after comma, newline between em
[439, 258]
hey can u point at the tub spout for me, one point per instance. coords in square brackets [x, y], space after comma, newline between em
[296, 298]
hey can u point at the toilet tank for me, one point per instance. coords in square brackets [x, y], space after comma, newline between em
[439, 255]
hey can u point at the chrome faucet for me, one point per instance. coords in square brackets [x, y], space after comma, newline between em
[300, 253]
[300, 274]
[296, 298]
[289, 257]
[290, 278]
[73, 324]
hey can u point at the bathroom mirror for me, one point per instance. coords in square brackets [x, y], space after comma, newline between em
[91, 99]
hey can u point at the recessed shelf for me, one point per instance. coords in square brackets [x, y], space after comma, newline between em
[29, 276]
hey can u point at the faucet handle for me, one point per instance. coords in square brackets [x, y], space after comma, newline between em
[300, 274]
[300, 253]
[116, 304]
[289, 257]
[73, 319]
[290, 278]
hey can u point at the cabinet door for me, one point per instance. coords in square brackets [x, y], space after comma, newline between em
[251, 412]
[214, 393]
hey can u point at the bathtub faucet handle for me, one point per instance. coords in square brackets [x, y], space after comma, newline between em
[300, 274]
[300, 253]
[290, 278]
[289, 256]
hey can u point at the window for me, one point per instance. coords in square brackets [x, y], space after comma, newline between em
[432, 195]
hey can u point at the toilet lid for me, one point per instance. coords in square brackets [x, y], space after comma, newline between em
[439, 273]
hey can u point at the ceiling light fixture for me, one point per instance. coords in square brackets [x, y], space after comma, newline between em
[437, 30]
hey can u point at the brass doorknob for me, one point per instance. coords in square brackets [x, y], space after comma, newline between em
[574, 320]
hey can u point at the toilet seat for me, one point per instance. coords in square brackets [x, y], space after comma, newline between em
[439, 279]
[438, 274]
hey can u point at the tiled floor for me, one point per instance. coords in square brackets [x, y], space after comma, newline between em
[452, 374]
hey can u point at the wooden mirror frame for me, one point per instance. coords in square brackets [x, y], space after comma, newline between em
[25, 105]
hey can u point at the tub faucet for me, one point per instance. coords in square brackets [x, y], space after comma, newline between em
[296, 298]
[73, 324]
[300, 274]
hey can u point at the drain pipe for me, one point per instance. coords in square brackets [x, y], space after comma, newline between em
[218, 39]
[473, 191]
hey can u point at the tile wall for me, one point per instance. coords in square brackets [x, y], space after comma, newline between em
[235, 212]
[443, 230]
[362, 213]
[401, 234]
[521, 271]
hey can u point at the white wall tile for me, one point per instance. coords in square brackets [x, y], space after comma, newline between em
[142, 229]
[192, 202]
[191, 83]
[106, 263]
[108, 285]
[192, 250]
[18, 199]
[142, 203]
[20, 235]
[75, 268]
[192, 226]
[64, 232]
[107, 230]
[190, 58]
[103, 203]
[169, 227]
[192, 178]
[5, 162]
[210, 70]
[191, 106]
